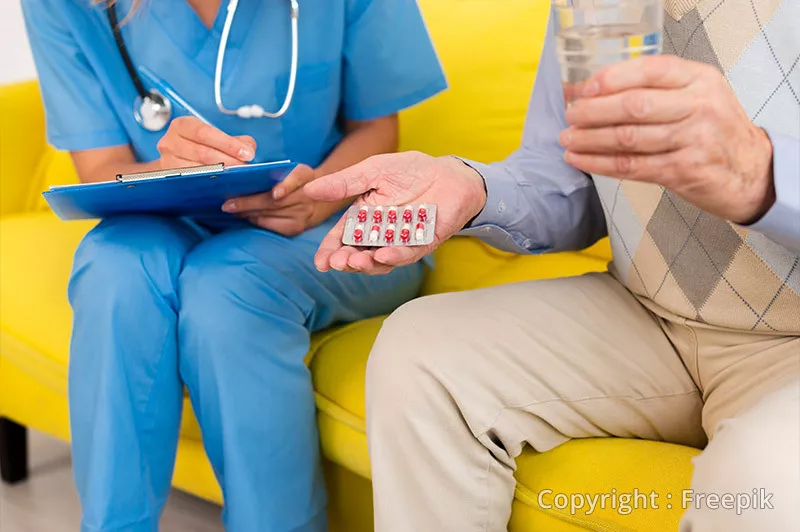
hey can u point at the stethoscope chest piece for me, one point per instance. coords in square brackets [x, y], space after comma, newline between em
[153, 112]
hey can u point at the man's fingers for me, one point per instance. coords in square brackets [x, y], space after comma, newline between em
[298, 178]
[656, 71]
[622, 139]
[203, 134]
[401, 255]
[347, 183]
[329, 245]
[339, 259]
[364, 262]
[658, 168]
[638, 106]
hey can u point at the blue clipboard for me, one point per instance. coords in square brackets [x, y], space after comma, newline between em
[192, 191]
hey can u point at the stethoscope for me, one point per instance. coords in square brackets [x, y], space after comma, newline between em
[153, 111]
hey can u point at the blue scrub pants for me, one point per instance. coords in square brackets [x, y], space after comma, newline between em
[162, 303]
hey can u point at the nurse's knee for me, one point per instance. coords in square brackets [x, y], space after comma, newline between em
[121, 256]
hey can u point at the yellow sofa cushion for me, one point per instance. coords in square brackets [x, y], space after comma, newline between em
[611, 466]
[36, 259]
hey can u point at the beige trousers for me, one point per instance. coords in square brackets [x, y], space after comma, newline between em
[458, 383]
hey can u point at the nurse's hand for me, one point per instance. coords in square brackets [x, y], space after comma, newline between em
[457, 190]
[190, 142]
[286, 209]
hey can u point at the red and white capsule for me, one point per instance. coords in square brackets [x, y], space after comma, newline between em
[419, 234]
[422, 213]
[362, 214]
[408, 214]
[374, 233]
[377, 214]
[358, 233]
[388, 236]
[391, 216]
[405, 234]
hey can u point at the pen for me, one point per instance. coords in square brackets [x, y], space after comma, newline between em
[166, 89]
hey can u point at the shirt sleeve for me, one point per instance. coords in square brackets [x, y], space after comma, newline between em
[536, 202]
[782, 221]
[78, 114]
[389, 60]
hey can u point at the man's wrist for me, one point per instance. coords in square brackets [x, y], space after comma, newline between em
[480, 192]
[763, 195]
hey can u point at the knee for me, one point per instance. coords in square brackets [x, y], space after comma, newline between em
[416, 346]
[748, 478]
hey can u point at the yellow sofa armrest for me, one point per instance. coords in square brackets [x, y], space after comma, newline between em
[22, 146]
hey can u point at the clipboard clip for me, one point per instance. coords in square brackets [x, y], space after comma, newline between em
[170, 172]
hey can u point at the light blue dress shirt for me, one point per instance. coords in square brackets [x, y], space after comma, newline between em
[537, 203]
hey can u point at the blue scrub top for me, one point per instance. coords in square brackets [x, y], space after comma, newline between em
[359, 60]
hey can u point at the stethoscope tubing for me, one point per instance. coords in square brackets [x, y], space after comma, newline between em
[255, 111]
[152, 103]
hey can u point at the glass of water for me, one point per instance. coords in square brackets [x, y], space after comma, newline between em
[591, 34]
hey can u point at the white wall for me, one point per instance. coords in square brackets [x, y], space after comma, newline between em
[16, 63]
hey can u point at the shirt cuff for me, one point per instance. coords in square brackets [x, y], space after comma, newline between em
[782, 222]
[500, 212]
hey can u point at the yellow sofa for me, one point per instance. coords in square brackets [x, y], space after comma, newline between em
[490, 50]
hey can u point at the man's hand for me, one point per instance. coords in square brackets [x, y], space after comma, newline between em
[676, 123]
[398, 179]
[286, 209]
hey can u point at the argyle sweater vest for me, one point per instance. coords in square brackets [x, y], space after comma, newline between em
[668, 251]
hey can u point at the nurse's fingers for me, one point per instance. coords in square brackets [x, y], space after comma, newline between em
[171, 161]
[247, 139]
[282, 226]
[172, 146]
[198, 133]
[250, 204]
[197, 154]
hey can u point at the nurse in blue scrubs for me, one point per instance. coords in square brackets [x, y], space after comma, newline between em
[223, 305]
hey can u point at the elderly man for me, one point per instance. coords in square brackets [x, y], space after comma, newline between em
[693, 336]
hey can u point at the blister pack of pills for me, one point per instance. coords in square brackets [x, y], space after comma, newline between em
[389, 225]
